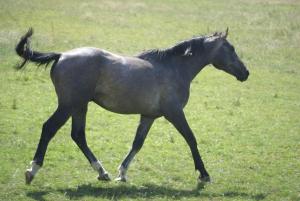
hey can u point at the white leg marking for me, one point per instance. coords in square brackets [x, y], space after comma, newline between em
[122, 170]
[34, 168]
[103, 174]
[122, 174]
[97, 166]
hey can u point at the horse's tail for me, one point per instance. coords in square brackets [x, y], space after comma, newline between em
[24, 51]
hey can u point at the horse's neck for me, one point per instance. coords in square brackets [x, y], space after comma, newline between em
[191, 66]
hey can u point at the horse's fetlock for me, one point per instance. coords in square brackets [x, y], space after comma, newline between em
[35, 166]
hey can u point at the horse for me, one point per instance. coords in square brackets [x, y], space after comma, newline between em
[153, 84]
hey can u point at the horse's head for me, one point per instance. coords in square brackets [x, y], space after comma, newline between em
[223, 56]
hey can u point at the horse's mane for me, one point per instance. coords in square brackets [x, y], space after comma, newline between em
[188, 47]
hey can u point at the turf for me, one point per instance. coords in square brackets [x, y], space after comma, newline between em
[248, 133]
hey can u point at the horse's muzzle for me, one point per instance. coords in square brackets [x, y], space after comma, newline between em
[243, 76]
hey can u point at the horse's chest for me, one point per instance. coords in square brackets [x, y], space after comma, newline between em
[176, 92]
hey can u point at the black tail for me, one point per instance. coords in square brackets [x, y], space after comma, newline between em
[24, 51]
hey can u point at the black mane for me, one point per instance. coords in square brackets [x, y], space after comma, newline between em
[184, 48]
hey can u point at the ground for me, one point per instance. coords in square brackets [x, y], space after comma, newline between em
[248, 133]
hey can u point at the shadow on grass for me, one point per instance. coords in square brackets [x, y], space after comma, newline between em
[145, 191]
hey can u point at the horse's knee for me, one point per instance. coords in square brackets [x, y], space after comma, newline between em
[47, 132]
[138, 142]
[78, 136]
[137, 145]
[51, 126]
[193, 143]
[75, 137]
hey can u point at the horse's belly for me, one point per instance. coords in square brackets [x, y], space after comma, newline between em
[129, 104]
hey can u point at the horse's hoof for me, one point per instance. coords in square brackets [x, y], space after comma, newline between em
[104, 177]
[28, 177]
[204, 179]
[121, 179]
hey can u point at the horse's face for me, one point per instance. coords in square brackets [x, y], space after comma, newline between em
[225, 58]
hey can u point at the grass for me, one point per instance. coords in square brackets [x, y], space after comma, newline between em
[248, 134]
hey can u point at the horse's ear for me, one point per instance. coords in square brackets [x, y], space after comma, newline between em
[224, 35]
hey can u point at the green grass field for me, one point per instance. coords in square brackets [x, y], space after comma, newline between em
[248, 133]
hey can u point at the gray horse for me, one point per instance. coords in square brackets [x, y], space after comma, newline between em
[154, 83]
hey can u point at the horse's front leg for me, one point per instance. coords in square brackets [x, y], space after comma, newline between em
[141, 133]
[177, 118]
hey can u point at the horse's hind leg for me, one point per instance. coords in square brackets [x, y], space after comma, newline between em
[141, 133]
[50, 127]
[78, 135]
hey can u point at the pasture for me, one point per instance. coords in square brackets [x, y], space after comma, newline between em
[248, 133]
